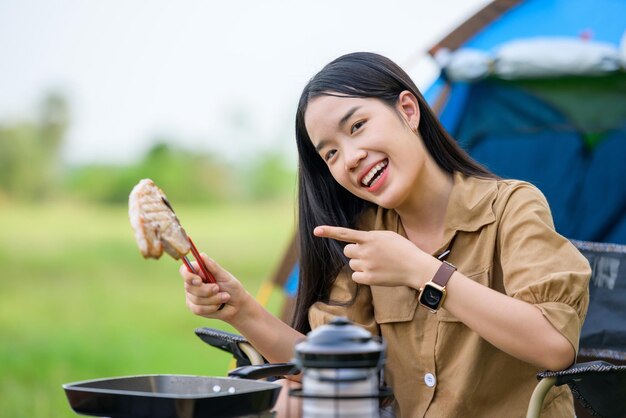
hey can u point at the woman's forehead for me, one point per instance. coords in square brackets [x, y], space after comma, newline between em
[325, 113]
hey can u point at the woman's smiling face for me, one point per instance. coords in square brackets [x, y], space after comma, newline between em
[368, 146]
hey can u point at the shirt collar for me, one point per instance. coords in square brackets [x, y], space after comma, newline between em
[471, 204]
[470, 207]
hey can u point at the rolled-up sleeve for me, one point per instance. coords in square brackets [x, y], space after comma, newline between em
[346, 299]
[540, 266]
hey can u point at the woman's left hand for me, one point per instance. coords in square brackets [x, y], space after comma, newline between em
[382, 258]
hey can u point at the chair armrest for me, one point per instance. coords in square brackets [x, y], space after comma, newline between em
[598, 385]
[234, 344]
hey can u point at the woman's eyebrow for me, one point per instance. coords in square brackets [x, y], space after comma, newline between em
[342, 122]
[321, 145]
[347, 116]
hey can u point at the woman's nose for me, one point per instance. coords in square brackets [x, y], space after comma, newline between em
[354, 157]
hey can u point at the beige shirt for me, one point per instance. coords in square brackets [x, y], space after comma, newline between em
[437, 366]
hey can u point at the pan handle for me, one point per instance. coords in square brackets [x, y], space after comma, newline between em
[261, 371]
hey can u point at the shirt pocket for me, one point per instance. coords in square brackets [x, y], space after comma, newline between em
[393, 304]
[481, 277]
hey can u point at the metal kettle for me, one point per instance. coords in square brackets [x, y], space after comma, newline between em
[341, 366]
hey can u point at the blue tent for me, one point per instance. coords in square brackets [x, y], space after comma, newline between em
[536, 90]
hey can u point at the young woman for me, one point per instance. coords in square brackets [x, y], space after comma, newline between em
[385, 195]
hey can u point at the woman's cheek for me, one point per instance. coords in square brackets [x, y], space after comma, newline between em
[340, 178]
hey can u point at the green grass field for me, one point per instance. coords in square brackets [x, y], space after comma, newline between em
[77, 300]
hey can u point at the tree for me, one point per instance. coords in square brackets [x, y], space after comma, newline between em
[30, 151]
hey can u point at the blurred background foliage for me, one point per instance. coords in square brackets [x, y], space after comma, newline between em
[30, 160]
[77, 300]
[31, 167]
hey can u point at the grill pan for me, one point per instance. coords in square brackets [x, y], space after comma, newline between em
[171, 396]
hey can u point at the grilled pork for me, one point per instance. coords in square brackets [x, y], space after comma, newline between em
[156, 226]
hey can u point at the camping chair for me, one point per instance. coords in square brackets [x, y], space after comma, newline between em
[597, 381]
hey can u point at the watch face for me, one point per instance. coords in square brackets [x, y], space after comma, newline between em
[431, 297]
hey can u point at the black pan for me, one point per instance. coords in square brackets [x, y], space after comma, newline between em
[171, 396]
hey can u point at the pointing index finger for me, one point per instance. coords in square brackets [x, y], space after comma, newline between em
[341, 234]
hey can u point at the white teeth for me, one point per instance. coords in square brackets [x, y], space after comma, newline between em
[373, 172]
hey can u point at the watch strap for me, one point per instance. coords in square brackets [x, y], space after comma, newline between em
[443, 274]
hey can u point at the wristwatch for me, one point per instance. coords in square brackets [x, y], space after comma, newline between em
[433, 293]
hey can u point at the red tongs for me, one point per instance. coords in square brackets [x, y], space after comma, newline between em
[206, 275]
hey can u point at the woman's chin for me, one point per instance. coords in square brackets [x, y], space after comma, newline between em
[387, 200]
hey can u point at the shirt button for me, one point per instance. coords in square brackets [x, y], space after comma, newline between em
[430, 380]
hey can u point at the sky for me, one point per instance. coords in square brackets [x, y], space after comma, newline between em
[223, 77]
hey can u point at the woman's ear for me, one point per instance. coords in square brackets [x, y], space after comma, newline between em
[408, 107]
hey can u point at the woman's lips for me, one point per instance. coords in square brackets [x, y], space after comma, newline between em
[379, 179]
[374, 171]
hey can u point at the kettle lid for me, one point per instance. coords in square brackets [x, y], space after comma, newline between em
[339, 344]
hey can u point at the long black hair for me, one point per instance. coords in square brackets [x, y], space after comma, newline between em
[321, 200]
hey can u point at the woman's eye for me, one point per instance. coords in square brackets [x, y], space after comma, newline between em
[356, 126]
[329, 154]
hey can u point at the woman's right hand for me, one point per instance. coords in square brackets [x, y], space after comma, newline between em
[204, 299]
[273, 338]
